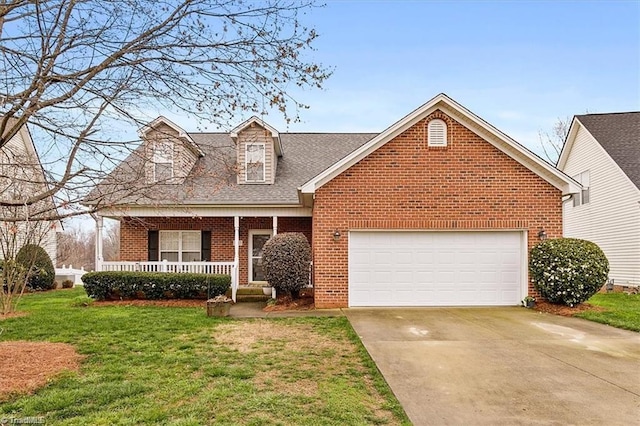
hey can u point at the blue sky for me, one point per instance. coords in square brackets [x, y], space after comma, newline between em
[518, 64]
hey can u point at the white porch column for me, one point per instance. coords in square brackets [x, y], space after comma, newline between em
[98, 255]
[236, 239]
[275, 225]
[236, 257]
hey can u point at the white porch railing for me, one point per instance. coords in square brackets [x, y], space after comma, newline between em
[226, 268]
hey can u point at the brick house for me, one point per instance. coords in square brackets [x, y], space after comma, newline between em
[441, 208]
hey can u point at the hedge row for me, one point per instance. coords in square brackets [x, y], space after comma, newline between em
[154, 285]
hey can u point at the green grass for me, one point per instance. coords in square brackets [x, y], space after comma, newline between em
[621, 310]
[154, 365]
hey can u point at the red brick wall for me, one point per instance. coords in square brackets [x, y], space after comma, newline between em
[133, 234]
[407, 185]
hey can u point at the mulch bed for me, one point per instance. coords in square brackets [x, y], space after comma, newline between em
[169, 303]
[564, 310]
[27, 366]
[13, 315]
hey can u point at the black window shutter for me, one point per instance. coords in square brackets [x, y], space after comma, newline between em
[154, 245]
[206, 246]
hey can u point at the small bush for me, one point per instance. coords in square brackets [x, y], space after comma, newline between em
[67, 284]
[286, 259]
[42, 274]
[568, 270]
[154, 285]
[81, 301]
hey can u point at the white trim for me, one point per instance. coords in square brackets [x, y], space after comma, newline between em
[205, 211]
[447, 105]
[264, 162]
[251, 233]
[180, 250]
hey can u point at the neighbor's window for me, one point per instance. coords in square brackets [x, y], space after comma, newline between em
[584, 196]
[180, 246]
[437, 133]
[162, 161]
[254, 162]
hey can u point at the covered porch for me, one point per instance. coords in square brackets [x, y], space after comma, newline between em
[212, 244]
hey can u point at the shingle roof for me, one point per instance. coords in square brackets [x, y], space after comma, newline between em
[213, 178]
[619, 135]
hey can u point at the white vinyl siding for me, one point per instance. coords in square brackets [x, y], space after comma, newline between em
[611, 219]
[180, 246]
[437, 133]
[421, 268]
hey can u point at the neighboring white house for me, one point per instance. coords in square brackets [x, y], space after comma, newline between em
[21, 174]
[602, 151]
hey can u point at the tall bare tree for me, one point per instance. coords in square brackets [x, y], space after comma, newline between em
[553, 141]
[81, 73]
[75, 70]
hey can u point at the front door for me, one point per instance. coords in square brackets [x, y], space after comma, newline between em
[257, 238]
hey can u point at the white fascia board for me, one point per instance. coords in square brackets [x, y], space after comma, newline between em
[181, 133]
[494, 136]
[206, 211]
[568, 144]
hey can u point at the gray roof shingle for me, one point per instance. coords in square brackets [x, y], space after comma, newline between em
[212, 180]
[619, 135]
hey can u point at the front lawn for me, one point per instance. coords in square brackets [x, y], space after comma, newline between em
[158, 365]
[620, 310]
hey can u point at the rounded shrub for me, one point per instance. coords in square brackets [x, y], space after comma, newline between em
[286, 259]
[41, 274]
[568, 270]
[67, 284]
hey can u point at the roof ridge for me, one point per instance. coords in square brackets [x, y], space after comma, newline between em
[608, 113]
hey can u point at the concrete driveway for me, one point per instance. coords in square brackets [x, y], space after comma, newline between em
[503, 366]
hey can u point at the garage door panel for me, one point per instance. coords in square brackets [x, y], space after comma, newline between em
[434, 268]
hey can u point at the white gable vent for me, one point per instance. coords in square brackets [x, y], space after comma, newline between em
[437, 133]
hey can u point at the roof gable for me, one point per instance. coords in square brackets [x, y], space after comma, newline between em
[617, 133]
[275, 135]
[182, 134]
[465, 117]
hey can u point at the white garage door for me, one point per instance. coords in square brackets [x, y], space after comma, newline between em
[391, 268]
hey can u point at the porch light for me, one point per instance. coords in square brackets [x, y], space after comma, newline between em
[336, 235]
[542, 234]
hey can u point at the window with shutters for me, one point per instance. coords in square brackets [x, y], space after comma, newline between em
[180, 246]
[437, 133]
[254, 162]
[162, 161]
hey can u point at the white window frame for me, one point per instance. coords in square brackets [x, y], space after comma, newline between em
[431, 133]
[160, 156]
[180, 248]
[246, 161]
[585, 194]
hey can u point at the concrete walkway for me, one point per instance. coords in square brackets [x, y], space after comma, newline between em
[503, 366]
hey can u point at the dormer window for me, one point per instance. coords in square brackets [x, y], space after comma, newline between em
[437, 133]
[162, 161]
[255, 162]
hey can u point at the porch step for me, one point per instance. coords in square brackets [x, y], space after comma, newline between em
[249, 294]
